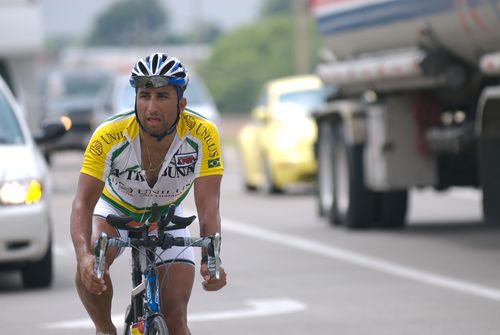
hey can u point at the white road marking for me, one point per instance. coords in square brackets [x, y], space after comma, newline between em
[362, 260]
[257, 308]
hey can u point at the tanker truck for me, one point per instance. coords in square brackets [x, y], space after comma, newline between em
[417, 104]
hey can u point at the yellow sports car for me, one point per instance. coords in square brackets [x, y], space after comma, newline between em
[277, 146]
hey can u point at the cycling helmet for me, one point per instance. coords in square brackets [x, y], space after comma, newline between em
[159, 70]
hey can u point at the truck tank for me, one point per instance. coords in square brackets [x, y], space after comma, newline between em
[466, 28]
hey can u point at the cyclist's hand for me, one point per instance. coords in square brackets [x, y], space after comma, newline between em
[212, 284]
[88, 276]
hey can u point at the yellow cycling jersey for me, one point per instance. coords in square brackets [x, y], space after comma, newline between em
[113, 156]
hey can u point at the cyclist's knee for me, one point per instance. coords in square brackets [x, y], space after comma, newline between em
[176, 318]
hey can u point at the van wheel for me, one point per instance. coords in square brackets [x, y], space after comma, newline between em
[39, 274]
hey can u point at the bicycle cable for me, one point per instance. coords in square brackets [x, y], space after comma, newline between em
[174, 260]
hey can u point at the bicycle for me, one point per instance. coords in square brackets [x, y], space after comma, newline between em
[143, 315]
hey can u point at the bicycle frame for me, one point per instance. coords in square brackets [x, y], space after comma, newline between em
[145, 282]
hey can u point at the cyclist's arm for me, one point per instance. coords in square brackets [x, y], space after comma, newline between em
[206, 197]
[88, 192]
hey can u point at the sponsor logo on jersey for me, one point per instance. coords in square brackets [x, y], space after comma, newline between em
[212, 163]
[190, 121]
[184, 160]
[124, 189]
[205, 134]
[178, 172]
[112, 137]
[96, 148]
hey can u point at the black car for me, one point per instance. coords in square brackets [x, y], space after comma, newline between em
[70, 95]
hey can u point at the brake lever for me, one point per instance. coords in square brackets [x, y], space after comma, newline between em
[100, 248]
[214, 256]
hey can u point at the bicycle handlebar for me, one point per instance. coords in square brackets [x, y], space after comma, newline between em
[163, 240]
[212, 243]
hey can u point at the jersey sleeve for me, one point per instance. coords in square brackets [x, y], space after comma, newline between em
[211, 158]
[94, 158]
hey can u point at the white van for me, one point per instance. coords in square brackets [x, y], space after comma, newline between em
[26, 232]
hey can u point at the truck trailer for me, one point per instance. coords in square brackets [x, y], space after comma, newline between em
[417, 104]
[21, 45]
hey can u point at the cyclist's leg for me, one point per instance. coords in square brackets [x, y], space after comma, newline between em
[99, 306]
[176, 280]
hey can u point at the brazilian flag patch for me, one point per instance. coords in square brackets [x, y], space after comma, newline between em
[213, 163]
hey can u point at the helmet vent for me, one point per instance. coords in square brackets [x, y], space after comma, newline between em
[154, 63]
[143, 67]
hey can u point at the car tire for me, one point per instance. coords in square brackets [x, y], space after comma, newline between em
[250, 188]
[48, 157]
[39, 273]
[269, 186]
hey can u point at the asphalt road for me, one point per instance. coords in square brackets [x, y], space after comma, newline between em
[290, 272]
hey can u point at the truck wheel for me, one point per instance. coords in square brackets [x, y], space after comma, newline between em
[391, 209]
[325, 169]
[39, 274]
[342, 194]
[489, 165]
[353, 202]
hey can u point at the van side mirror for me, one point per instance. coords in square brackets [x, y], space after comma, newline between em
[50, 132]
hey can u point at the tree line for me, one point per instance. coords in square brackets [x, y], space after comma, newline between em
[241, 61]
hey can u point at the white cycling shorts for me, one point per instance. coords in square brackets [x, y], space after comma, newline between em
[174, 254]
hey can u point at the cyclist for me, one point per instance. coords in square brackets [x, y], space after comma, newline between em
[153, 154]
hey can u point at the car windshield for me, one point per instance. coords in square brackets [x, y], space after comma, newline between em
[10, 131]
[294, 106]
[82, 85]
[307, 100]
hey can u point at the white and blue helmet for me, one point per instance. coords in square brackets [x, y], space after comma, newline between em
[159, 70]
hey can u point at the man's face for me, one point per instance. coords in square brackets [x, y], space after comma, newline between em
[157, 108]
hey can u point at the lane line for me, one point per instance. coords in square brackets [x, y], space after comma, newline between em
[257, 308]
[362, 260]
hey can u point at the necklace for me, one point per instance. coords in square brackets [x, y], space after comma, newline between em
[151, 168]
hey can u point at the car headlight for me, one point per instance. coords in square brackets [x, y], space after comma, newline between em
[21, 192]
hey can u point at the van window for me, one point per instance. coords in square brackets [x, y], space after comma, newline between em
[10, 131]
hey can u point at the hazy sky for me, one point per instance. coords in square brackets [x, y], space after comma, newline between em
[69, 17]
